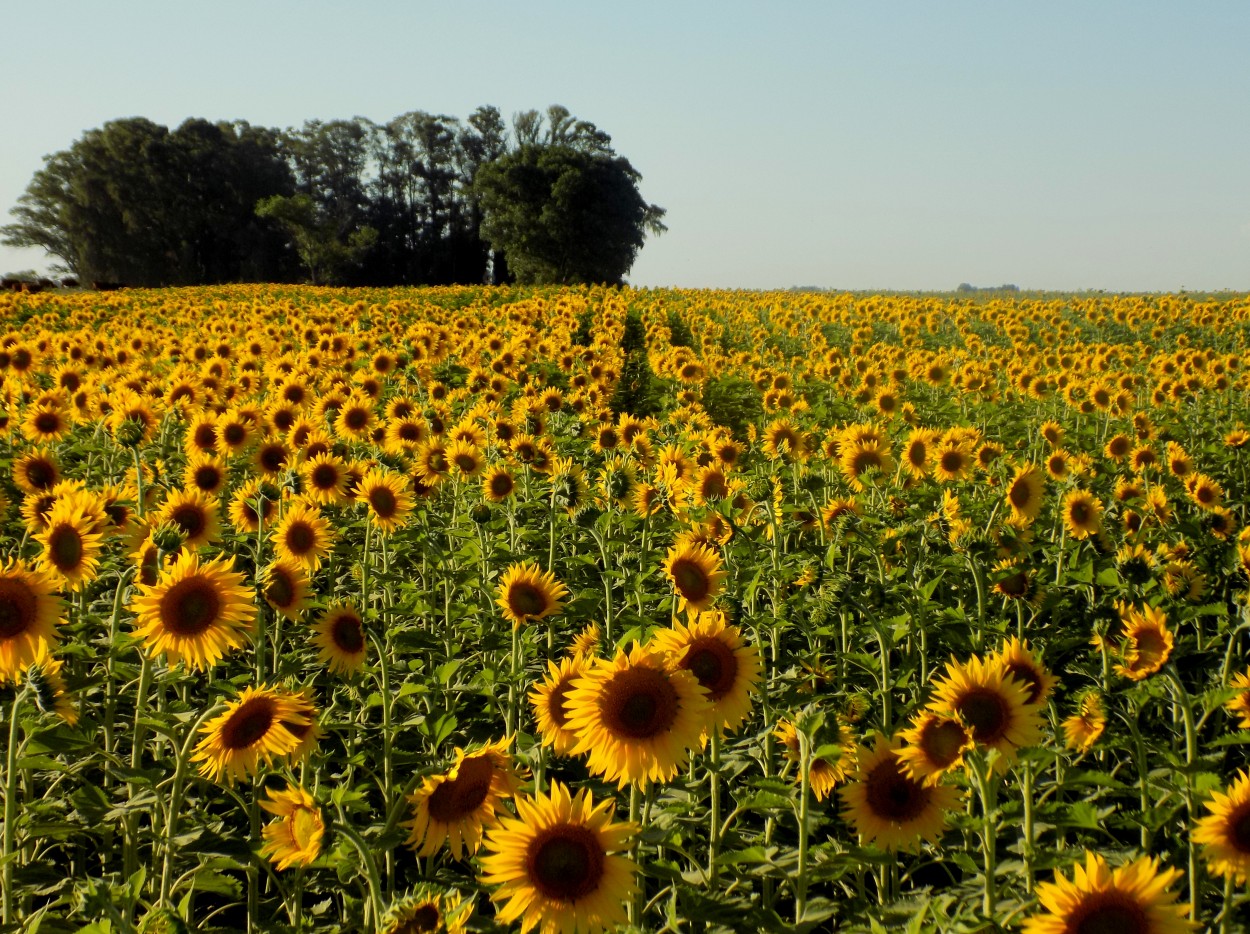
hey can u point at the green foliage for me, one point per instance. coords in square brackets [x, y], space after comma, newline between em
[680, 334]
[317, 241]
[637, 391]
[582, 336]
[734, 403]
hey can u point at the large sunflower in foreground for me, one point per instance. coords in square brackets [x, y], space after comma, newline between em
[696, 574]
[453, 807]
[1133, 899]
[714, 652]
[1225, 831]
[426, 910]
[195, 612]
[527, 593]
[29, 614]
[549, 699]
[636, 717]
[889, 807]
[253, 728]
[992, 703]
[295, 838]
[557, 865]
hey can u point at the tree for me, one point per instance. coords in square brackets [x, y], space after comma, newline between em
[317, 240]
[564, 207]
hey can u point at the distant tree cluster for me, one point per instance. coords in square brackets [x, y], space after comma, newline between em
[969, 287]
[422, 199]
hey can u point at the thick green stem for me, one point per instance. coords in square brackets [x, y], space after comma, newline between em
[10, 809]
[635, 807]
[805, 794]
[713, 830]
[989, 839]
[175, 803]
[1191, 755]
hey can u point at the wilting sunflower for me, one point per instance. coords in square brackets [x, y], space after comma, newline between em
[1024, 494]
[303, 536]
[48, 685]
[29, 614]
[934, 745]
[635, 717]
[887, 806]
[1086, 726]
[194, 513]
[549, 698]
[696, 573]
[70, 546]
[992, 703]
[253, 728]
[714, 652]
[557, 865]
[824, 773]
[295, 838]
[387, 497]
[1225, 831]
[453, 807]
[1147, 642]
[1082, 514]
[285, 588]
[527, 593]
[1133, 899]
[426, 909]
[1018, 660]
[195, 612]
[340, 637]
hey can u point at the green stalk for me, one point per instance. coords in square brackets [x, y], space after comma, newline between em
[805, 768]
[370, 865]
[1191, 755]
[636, 905]
[175, 802]
[1027, 796]
[989, 840]
[713, 831]
[10, 808]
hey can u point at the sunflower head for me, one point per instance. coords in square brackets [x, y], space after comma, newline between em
[527, 593]
[1136, 898]
[726, 667]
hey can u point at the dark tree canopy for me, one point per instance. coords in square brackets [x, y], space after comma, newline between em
[423, 199]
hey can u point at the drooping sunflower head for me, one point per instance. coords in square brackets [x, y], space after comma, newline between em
[887, 805]
[696, 574]
[527, 593]
[714, 652]
[1135, 899]
[294, 839]
[558, 865]
[253, 728]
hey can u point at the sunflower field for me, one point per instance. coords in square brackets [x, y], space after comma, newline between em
[488, 609]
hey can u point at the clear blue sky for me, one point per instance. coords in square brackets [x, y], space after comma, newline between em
[907, 145]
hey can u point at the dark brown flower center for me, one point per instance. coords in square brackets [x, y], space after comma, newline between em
[638, 703]
[1020, 494]
[272, 458]
[190, 607]
[383, 502]
[1109, 912]
[500, 485]
[1029, 677]
[280, 590]
[40, 474]
[207, 477]
[348, 633]
[985, 711]
[234, 434]
[18, 606]
[248, 724]
[892, 795]
[356, 419]
[942, 741]
[47, 423]
[525, 599]
[566, 862]
[300, 538]
[191, 518]
[555, 702]
[65, 548]
[691, 580]
[455, 799]
[714, 664]
[424, 918]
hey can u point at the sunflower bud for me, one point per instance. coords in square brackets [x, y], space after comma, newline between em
[129, 433]
[168, 537]
[43, 688]
[480, 513]
[162, 921]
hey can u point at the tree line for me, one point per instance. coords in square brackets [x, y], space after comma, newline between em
[424, 199]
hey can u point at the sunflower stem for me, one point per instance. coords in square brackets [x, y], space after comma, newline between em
[1026, 794]
[10, 807]
[175, 803]
[989, 841]
[713, 831]
[636, 904]
[805, 793]
[1191, 754]
[514, 688]
[371, 868]
[138, 482]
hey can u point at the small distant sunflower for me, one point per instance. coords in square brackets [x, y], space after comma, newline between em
[194, 513]
[527, 593]
[549, 698]
[637, 718]
[917, 450]
[1086, 726]
[1082, 514]
[387, 497]
[355, 419]
[303, 536]
[285, 587]
[427, 910]
[340, 637]
[951, 462]
[195, 612]
[295, 838]
[992, 703]
[587, 641]
[727, 667]
[1239, 704]
[1134, 898]
[558, 866]
[1225, 831]
[254, 727]
[71, 548]
[696, 574]
[890, 808]
[29, 614]
[1147, 642]
[1013, 580]
[934, 745]
[51, 695]
[465, 459]
[863, 459]
[453, 807]
[1024, 493]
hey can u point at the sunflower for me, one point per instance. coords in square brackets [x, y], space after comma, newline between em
[195, 612]
[244, 505]
[285, 588]
[824, 773]
[935, 745]
[465, 459]
[29, 614]
[426, 910]
[1019, 662]
[696, 574]
[783, 441]
[453, 807]
[36, 472]
[1086, 726]
[51, 695]
[1024, 494]
[558, 864]
[205, 473]
[1082, 514]
[1013, 580]
[194, 513]
[1133, 899]
[303, 536]
[549, 701]
[70, 546]
[325, 479]
[715, 654]
[859, 459]
[637, 718]
[253, 727]
[1225, 831]
[46, 422]
[430, 462]
[1147, 642]
[889, 807]
[387, 497]
[295, 838]
[1239, 704]
[340, 637]
[234, 431]
[992, 703]
[916, 451]
[527, 593]
[951, 462]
